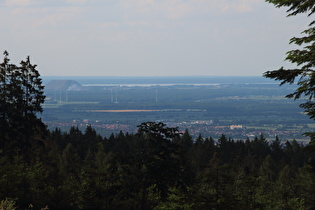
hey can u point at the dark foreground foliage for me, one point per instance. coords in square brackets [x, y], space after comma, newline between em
[157, 168]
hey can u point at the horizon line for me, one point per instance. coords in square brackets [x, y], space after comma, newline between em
[153, 76]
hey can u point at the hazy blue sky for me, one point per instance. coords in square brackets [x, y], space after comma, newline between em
[148, 37]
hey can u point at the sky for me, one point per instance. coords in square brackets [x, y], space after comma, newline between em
[148, 37]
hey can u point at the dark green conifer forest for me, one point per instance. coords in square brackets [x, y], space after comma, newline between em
[158, 168]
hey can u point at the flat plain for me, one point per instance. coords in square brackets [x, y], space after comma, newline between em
[240, 107]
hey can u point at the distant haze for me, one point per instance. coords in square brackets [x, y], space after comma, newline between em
[64, 81]
[148, 37]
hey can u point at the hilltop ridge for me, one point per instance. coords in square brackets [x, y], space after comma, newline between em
[63, 85]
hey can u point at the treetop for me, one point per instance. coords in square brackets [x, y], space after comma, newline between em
[295, 6]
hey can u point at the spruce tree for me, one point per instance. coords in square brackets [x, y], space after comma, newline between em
[21, 96]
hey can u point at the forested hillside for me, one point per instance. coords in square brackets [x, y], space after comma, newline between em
[158, 168]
